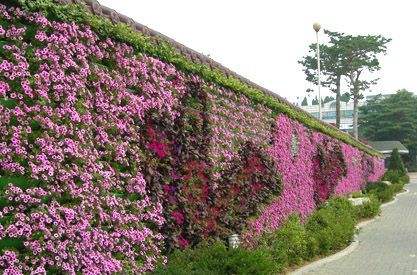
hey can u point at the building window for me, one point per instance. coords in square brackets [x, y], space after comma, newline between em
[329, 115]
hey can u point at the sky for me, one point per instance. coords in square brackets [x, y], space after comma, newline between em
[263, 40]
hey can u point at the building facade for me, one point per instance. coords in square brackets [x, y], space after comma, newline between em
[329, 113]
[346, 111]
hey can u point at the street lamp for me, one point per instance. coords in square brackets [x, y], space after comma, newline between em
[317, 27]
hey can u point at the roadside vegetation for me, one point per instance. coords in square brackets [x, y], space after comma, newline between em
[330, 228]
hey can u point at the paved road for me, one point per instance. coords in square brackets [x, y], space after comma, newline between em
[388, 245]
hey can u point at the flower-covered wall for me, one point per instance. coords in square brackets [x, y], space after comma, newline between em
[109, 158]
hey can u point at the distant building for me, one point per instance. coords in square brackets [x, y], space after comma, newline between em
[329, 113]
[346, 111]
[386, 147]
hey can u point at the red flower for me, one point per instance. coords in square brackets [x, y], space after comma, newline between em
[182, 242]
[178, 217]
[160, 149]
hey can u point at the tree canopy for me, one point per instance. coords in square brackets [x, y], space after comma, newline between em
[391, 118]
[346, 56]
[304, 102]
[328, 99]
[360, 56]
[396, 164]
[332, 69]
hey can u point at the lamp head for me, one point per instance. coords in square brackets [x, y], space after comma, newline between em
[316, 27]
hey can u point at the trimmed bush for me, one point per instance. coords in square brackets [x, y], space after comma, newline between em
[216, 258]
[383, 192]
[331, 226]
[369, 209]
[392, 176]
[288, 245]
[404, 179]
[396, 163]
[397, 187]
[328, 229]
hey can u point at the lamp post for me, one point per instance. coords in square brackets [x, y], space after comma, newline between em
[317, 27]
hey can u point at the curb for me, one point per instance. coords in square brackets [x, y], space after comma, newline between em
[349, 249]
[395, 198]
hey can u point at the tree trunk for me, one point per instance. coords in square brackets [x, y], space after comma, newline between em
[338, 102]
[355, 113]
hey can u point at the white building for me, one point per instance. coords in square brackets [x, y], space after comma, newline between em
[346, 111]
[329, 113]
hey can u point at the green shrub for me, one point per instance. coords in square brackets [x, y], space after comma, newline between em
[405, 179]
[396, 163]
[383, 192]
[369, 209]
[397, 187]
[287, 245]
[357, 194]
[331, 227]
[216, 259]
[393, 176]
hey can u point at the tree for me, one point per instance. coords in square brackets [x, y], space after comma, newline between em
[350, 56]
[328, 99]
[332, 67]
[396, 164]
[392, 118]
[315, 101]
[304, 103]
[345, 97]
[360, 56]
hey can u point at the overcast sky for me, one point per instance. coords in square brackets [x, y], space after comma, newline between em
[263, 40]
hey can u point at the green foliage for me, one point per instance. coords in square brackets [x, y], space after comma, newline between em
[405, 179]
[358, 57]
[397, 187]
[345, 97]
[328, 99]
[331, 227]
[357, 194]
[160, 49]
[288, 245]
[369, 209]
[391, 118]
[344, 56]
[392, 176]
[396, 163]
[11, 243]
[331, 57]
[304, 103]
[383, 192]
[395, 177]
[8, 103]
[18, 181]
[216, 259]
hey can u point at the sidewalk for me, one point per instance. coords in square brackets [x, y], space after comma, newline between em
[387, 245]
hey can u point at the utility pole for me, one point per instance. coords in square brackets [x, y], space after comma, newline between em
[317, 27]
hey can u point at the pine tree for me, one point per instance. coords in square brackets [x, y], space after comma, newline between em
[396, 163]
[304, 103]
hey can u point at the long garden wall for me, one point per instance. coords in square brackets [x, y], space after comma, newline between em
[110, 157]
